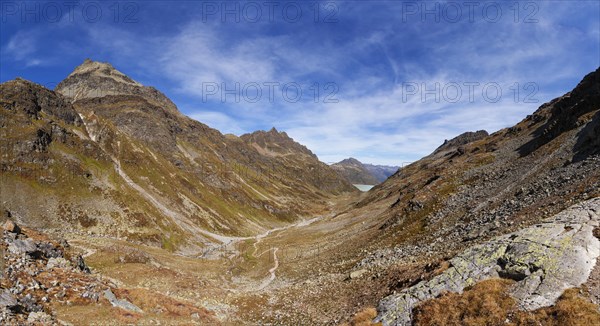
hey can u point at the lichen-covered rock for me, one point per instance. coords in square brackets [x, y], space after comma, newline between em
[120, 303]
[544, 259]
[7, 299]
[39, 317]
[22, 247]
[57, 262]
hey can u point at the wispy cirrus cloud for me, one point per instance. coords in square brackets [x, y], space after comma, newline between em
[22, 47]
[369, 55]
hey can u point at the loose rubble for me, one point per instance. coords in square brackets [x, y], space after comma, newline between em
[38, 272]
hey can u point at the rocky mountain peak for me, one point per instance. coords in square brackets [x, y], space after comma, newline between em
[94, 79]
[102, 70]
[275, 134]
[355, 172]
[276, 142]
[351, 161]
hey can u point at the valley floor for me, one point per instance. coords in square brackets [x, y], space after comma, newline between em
[292, 274]
[310, 272]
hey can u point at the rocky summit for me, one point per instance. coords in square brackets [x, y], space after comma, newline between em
[116, 208]
[363, 174]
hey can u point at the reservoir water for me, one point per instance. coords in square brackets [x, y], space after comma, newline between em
[364, 187]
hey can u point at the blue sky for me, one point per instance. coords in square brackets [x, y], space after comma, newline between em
[383, 81]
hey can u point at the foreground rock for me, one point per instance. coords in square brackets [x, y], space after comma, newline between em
[7, 299]
[544, 259]
[11, 227]
[120, 303]
[36, 275]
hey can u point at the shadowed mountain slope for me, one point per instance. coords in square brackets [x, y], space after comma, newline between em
[298, 159]
[355, 172]
[106, 155]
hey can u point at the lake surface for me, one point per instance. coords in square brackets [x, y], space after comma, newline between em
[364, 187]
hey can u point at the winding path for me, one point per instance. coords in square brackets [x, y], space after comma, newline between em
[267, 281]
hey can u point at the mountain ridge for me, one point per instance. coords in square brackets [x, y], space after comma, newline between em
[355, 172]
[135, 138]
[361, 173]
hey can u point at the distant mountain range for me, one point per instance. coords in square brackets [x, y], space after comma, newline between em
[357, 172]
[381, 172]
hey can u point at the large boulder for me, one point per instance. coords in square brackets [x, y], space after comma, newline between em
[11, 227]
[26, 246]
[7, 299]
[120, 303]
[544, 259]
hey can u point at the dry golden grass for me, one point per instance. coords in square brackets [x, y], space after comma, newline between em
[570, 309]
[363, 318]
[488, 303]
[169, 307]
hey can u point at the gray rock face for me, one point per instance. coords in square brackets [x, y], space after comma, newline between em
[358, 273]
[39, 318]
[119, 303]
[94, 79]
[57, 262]
[544, 259]
[7, 299]
[22, 247]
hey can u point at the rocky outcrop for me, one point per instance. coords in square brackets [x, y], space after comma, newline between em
[93, 79]
[22, 97]
[463, 139]
[355, 172]
[544, 259]
[36, 275]
[11, 227]
[120, 303]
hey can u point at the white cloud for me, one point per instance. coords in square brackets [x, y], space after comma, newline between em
[372, 121]
[22, 47]
[219, 121]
